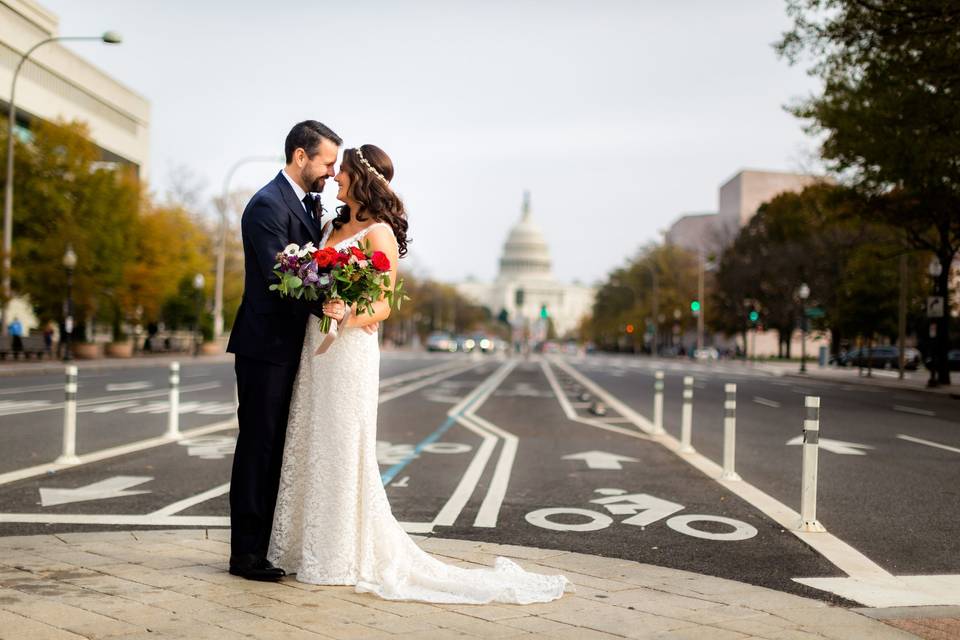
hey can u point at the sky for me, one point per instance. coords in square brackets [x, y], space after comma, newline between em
[617, 116]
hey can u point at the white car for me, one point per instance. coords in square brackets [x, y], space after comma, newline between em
[708, 353]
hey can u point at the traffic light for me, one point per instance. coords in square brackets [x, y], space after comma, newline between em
[629, 328]
[695, 306]
[754, 316]
[543, 312]
[518, 297]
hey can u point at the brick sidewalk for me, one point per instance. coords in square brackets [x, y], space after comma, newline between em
[173, 584]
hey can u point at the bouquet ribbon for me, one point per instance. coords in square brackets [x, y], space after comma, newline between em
[331, 335]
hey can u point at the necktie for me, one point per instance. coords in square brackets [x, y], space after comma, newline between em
[309, 205]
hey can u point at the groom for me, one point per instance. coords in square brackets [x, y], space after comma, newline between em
[267, 339]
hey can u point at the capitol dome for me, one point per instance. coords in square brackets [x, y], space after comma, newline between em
[525, 253]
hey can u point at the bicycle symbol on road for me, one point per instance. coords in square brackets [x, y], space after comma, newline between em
[644, 510]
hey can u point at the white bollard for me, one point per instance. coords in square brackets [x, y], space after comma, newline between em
[686, 418]
[811, 448]
[69, 455]
[173, 417]
[729, 432]
[658, 403]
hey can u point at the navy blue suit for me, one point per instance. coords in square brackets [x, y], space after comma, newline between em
[266, 339]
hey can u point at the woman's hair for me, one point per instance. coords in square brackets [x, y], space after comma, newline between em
[370, 171]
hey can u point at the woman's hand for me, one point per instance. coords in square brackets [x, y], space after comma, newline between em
[335, 309]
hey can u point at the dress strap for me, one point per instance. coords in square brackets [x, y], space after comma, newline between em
[364, 233]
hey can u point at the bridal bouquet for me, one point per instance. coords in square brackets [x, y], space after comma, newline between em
[355, 275]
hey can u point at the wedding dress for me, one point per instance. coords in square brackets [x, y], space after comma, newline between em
[333, 524]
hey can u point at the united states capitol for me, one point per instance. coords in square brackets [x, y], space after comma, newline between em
[526, 288]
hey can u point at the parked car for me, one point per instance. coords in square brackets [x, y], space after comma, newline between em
[707, 353]
[440, 341]
[953, 357]
[887, 357]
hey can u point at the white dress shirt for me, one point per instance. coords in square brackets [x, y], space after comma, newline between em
[301, 194]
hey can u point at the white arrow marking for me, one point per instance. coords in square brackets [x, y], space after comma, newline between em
[600, 459]
[837, 446]
[114, 487]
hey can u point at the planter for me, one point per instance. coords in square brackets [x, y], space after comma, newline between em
[87, 350]
[120, 349]
[212, 348]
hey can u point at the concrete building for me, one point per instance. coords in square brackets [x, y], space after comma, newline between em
[57, 84]
[525, 284]
[742, 195]
[696, 232]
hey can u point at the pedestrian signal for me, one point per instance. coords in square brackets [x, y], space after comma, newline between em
[754, 316]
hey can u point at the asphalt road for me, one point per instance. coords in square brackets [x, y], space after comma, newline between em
[504, 450]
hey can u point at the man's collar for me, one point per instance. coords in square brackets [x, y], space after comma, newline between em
[297, 189]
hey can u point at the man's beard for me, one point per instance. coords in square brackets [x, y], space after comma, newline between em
[314, 183]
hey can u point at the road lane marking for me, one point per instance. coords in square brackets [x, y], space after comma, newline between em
[419, 384]
[46, 406]
[600, 459]
[767, 403]
[419, 373]
[183, 505]
[113, 452]
[115, 487]
[36, 388]
[840, 447]
[490, 507]
[129, 386]
[928, 443]
[914, 410]
[838, 552]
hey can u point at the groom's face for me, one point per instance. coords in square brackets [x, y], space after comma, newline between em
[314, 171]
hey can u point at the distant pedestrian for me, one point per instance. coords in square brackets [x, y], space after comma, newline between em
[16, 337]
[48, 331]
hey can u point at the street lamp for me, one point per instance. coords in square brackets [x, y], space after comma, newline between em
[935, 270]
[803, 293]
[69, 263]
[198, 282]
[108, 37]
[222, 240]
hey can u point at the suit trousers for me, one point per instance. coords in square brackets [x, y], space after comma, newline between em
[264, 390]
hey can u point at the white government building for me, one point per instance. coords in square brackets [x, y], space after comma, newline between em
[525, 284]
[57, 84]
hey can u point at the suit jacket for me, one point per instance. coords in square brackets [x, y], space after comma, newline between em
[267, 326]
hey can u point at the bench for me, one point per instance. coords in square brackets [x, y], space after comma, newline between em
[32, 346]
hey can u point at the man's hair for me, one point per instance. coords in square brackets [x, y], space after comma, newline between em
[307, 135]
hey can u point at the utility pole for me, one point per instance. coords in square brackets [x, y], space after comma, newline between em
[902, 319]
[700, 271]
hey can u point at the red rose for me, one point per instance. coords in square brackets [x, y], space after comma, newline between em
[326, 257]
[343, 257]
[358, 253]
[380, 261]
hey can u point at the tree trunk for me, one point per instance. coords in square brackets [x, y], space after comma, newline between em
[942, 343]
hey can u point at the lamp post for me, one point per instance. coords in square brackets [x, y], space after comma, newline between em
[109, 37]
[803, 293]
[69, 263]
[222, 240]
[935, 270]
[198, 282]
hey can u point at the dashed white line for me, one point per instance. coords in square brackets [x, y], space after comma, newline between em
[928, 443]
[917, 412]
[767, 403]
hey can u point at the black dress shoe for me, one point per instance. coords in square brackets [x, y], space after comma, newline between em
[254, 567]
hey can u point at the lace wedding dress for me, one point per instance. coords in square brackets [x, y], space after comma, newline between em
[333, 524]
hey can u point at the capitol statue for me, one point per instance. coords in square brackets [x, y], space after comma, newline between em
[525, 287]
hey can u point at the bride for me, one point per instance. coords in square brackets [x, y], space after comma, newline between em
[333, 524]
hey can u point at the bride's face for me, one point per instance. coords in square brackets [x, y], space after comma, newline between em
[343, 181]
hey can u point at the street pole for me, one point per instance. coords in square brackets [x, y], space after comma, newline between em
[109, 37]
[902, 316]
[222, 240]
[69, 263]
[803, 293]
[700, 299]
[656, 312]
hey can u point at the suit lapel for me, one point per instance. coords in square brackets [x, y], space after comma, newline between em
[296, 207]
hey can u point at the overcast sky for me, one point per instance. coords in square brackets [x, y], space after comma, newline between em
[617, 116]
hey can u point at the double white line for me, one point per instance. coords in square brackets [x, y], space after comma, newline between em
[464, 414]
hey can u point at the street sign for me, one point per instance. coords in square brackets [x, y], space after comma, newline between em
[935, 306]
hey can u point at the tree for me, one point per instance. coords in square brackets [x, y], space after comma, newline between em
[888, 114]
[65, 196]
